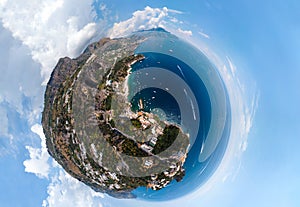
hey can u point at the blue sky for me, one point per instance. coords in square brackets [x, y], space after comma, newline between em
[261, 40]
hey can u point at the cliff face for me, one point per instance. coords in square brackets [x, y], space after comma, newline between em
[79, 123]
[66, 67]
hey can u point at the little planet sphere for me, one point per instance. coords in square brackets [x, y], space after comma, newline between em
[145, 116]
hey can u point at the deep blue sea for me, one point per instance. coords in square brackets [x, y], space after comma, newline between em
[174, 90]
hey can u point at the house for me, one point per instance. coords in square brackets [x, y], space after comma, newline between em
[148, 163]
[153, 141]
[146, 148]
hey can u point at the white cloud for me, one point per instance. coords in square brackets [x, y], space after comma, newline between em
[43, 31]
[150, 18]
[20, 76]
[174, 20]
[66, 191]
[244, 102]
[49, 28]
[20, 89]
[77, 41]
[204, 35]
[232, 67]
[142, 20]
[185, 32]
[38, 162]
[175, 11]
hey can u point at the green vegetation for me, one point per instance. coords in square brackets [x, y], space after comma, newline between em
[107, 102]
[165, 140]
[120, 70]
[136, 123]
[131, 148]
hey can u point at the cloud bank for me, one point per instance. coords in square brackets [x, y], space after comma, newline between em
[66, 191]
[38, 162]
[145, 19]
[20, 92]
[185, 32]
[42, 31]
[50, 29]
